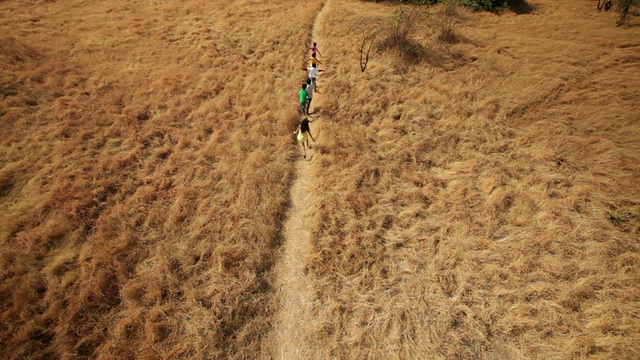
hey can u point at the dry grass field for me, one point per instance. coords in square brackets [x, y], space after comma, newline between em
[145, 157]
[481, 202]
[484, 202]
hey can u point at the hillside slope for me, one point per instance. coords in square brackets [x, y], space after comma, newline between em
[482, 202]
[145, 160]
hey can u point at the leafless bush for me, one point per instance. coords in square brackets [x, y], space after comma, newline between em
[448, 19]
[403, 23]
[604, 4]
[369, 31]
[627, 10]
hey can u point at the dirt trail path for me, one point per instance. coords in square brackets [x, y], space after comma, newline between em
[294, 291]
[295, 294]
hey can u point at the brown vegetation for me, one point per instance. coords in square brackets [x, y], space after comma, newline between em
[481, 201]
[145, 157]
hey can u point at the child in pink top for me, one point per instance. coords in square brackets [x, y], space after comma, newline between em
[314, 50]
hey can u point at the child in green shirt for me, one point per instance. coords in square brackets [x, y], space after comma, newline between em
[304, 97]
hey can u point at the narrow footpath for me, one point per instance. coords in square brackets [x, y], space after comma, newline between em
[294, 291]
[295, 294]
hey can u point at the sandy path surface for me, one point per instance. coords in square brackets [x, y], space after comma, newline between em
[294, 291]
[295, 294]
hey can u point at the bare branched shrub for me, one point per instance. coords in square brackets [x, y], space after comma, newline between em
[369, 31]
[403, 23]
[604, 4]
[627, 10]
[448, 19]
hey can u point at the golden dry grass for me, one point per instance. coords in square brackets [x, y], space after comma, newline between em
[145, 157]
[482, 203]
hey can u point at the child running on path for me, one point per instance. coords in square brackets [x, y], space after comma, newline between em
[313, 72]
[314, 50]
[303, 132]
[304, 97]
[311, 88]
[314, 60]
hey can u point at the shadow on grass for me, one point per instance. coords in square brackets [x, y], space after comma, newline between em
[410, 52]
[455, 38]
[443, 57]
[520, 7]
[439, 54]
